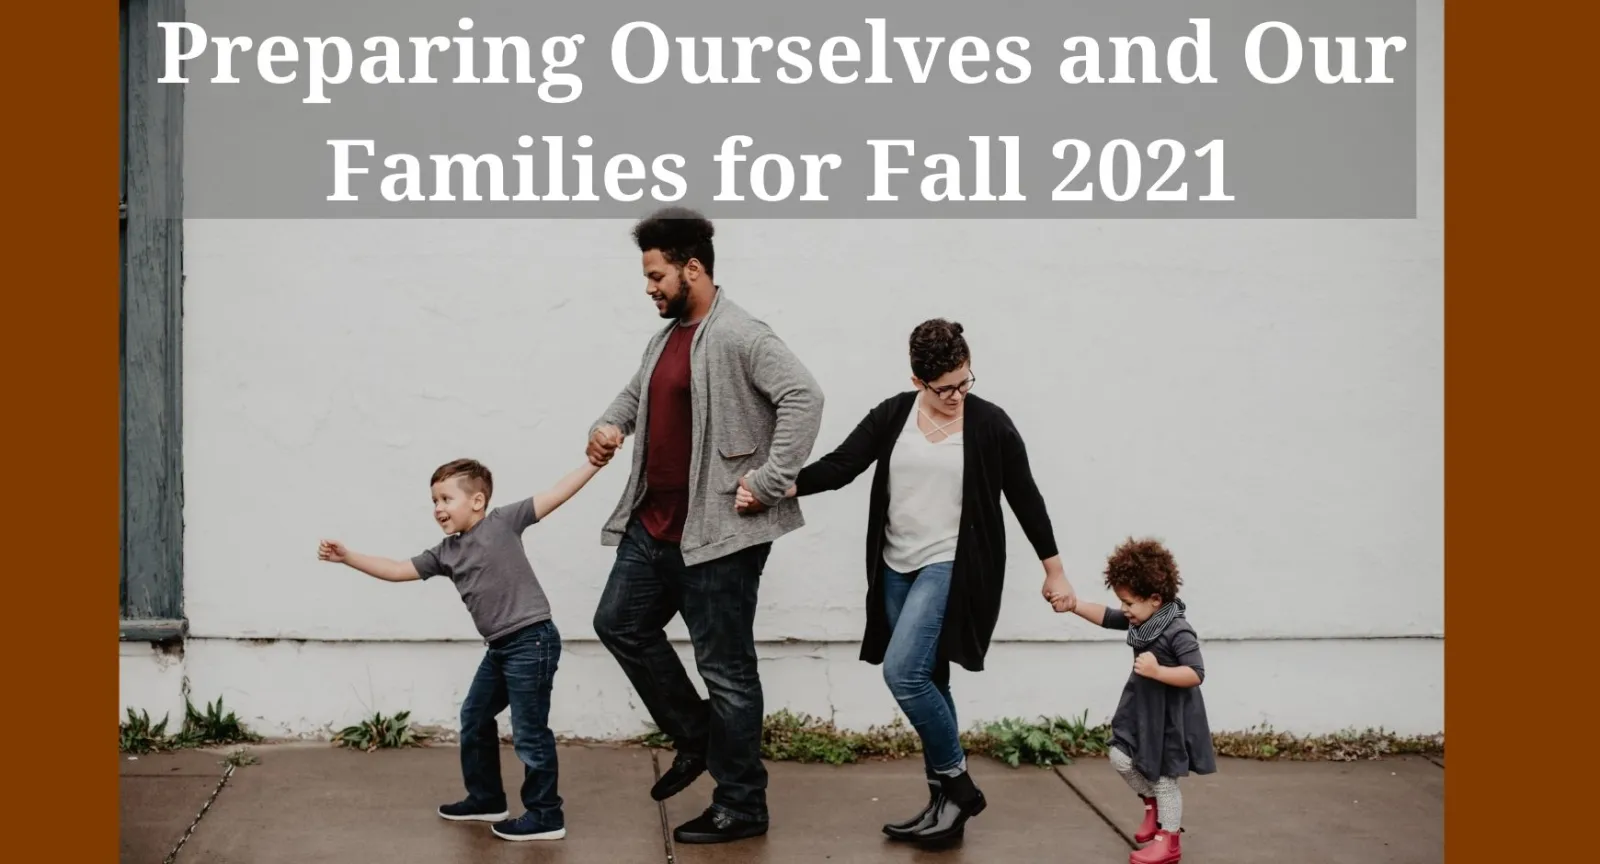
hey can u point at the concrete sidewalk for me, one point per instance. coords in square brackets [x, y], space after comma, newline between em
[307, 804]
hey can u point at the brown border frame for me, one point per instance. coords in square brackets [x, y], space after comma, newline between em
[1516, 318]
[61, 349]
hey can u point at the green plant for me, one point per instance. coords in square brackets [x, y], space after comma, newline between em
[1054, 741]
[380, 733]
[207, 728]
[655, 738]
[1263, 743]
[213, 727]
[139, 735]
[787, 736]
[894, 741]
[241, 757]
[790, 737]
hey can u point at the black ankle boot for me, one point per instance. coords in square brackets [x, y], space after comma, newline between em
[904, 830]
[958, 800]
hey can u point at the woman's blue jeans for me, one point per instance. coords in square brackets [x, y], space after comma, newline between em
[919, 680]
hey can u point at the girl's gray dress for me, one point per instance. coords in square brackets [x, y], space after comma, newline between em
[1162, 728]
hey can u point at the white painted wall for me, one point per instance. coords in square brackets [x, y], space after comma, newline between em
[1265, 396]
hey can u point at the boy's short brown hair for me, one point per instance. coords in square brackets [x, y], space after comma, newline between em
[1144, 568]
[475, 477]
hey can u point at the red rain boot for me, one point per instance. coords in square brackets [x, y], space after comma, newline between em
[1165, 850]
[1148, 827]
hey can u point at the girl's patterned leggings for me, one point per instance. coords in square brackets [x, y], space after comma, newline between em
[1169, 801]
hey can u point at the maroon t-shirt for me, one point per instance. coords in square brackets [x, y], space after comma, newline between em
[668, 441]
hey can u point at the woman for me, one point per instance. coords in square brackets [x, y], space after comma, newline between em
[936, 550]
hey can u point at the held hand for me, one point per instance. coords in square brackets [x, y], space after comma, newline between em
[1058, 591]
[744, 501]
[1145, 664]
[332, 550]
[603, 444]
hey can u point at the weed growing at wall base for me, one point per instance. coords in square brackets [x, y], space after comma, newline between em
[209, 728]
[139, 735]
[791, 737]
[214, 727]
[381, 733]
[1049, 741]
[1262, 743]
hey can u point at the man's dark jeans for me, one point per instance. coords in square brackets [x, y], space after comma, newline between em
[517, 671]
[648, 585]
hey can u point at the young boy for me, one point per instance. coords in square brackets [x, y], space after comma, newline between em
[482, 554]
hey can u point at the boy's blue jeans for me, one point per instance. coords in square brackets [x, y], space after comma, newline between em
[919, 680]
[517, 671]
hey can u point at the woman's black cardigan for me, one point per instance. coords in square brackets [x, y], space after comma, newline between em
[995, 463]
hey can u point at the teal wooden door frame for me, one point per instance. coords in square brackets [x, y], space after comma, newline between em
[150, 212]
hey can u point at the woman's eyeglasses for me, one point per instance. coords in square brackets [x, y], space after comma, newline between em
[950, 389]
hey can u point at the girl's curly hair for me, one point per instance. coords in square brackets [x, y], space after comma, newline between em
[1144, 568]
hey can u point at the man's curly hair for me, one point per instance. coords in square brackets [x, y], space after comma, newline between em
[1144, 568]
[680, 234]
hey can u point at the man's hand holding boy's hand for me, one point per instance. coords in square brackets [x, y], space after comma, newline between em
[603, 444]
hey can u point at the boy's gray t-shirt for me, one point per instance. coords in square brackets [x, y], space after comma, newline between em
[490, 568]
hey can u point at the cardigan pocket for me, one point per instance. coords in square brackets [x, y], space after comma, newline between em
[736, 456]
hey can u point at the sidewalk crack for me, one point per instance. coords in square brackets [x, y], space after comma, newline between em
[173, 855]
[661, 810]
[1097, 811]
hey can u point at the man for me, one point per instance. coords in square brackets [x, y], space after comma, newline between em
[719, 402]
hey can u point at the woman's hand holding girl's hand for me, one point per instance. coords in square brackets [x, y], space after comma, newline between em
[1057, 590]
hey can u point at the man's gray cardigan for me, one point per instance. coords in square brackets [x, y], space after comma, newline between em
[755, 407]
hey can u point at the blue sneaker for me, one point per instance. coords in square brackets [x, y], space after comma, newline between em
[472, 811]
[528, 826]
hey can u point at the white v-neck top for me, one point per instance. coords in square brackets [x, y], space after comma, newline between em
[924, 499]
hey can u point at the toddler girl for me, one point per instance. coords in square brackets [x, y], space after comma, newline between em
[1159, 732]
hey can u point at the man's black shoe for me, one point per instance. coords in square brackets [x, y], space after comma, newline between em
[472, 811]
[715, 826]
[685, 768]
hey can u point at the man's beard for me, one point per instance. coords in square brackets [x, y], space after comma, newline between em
[677, 305]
